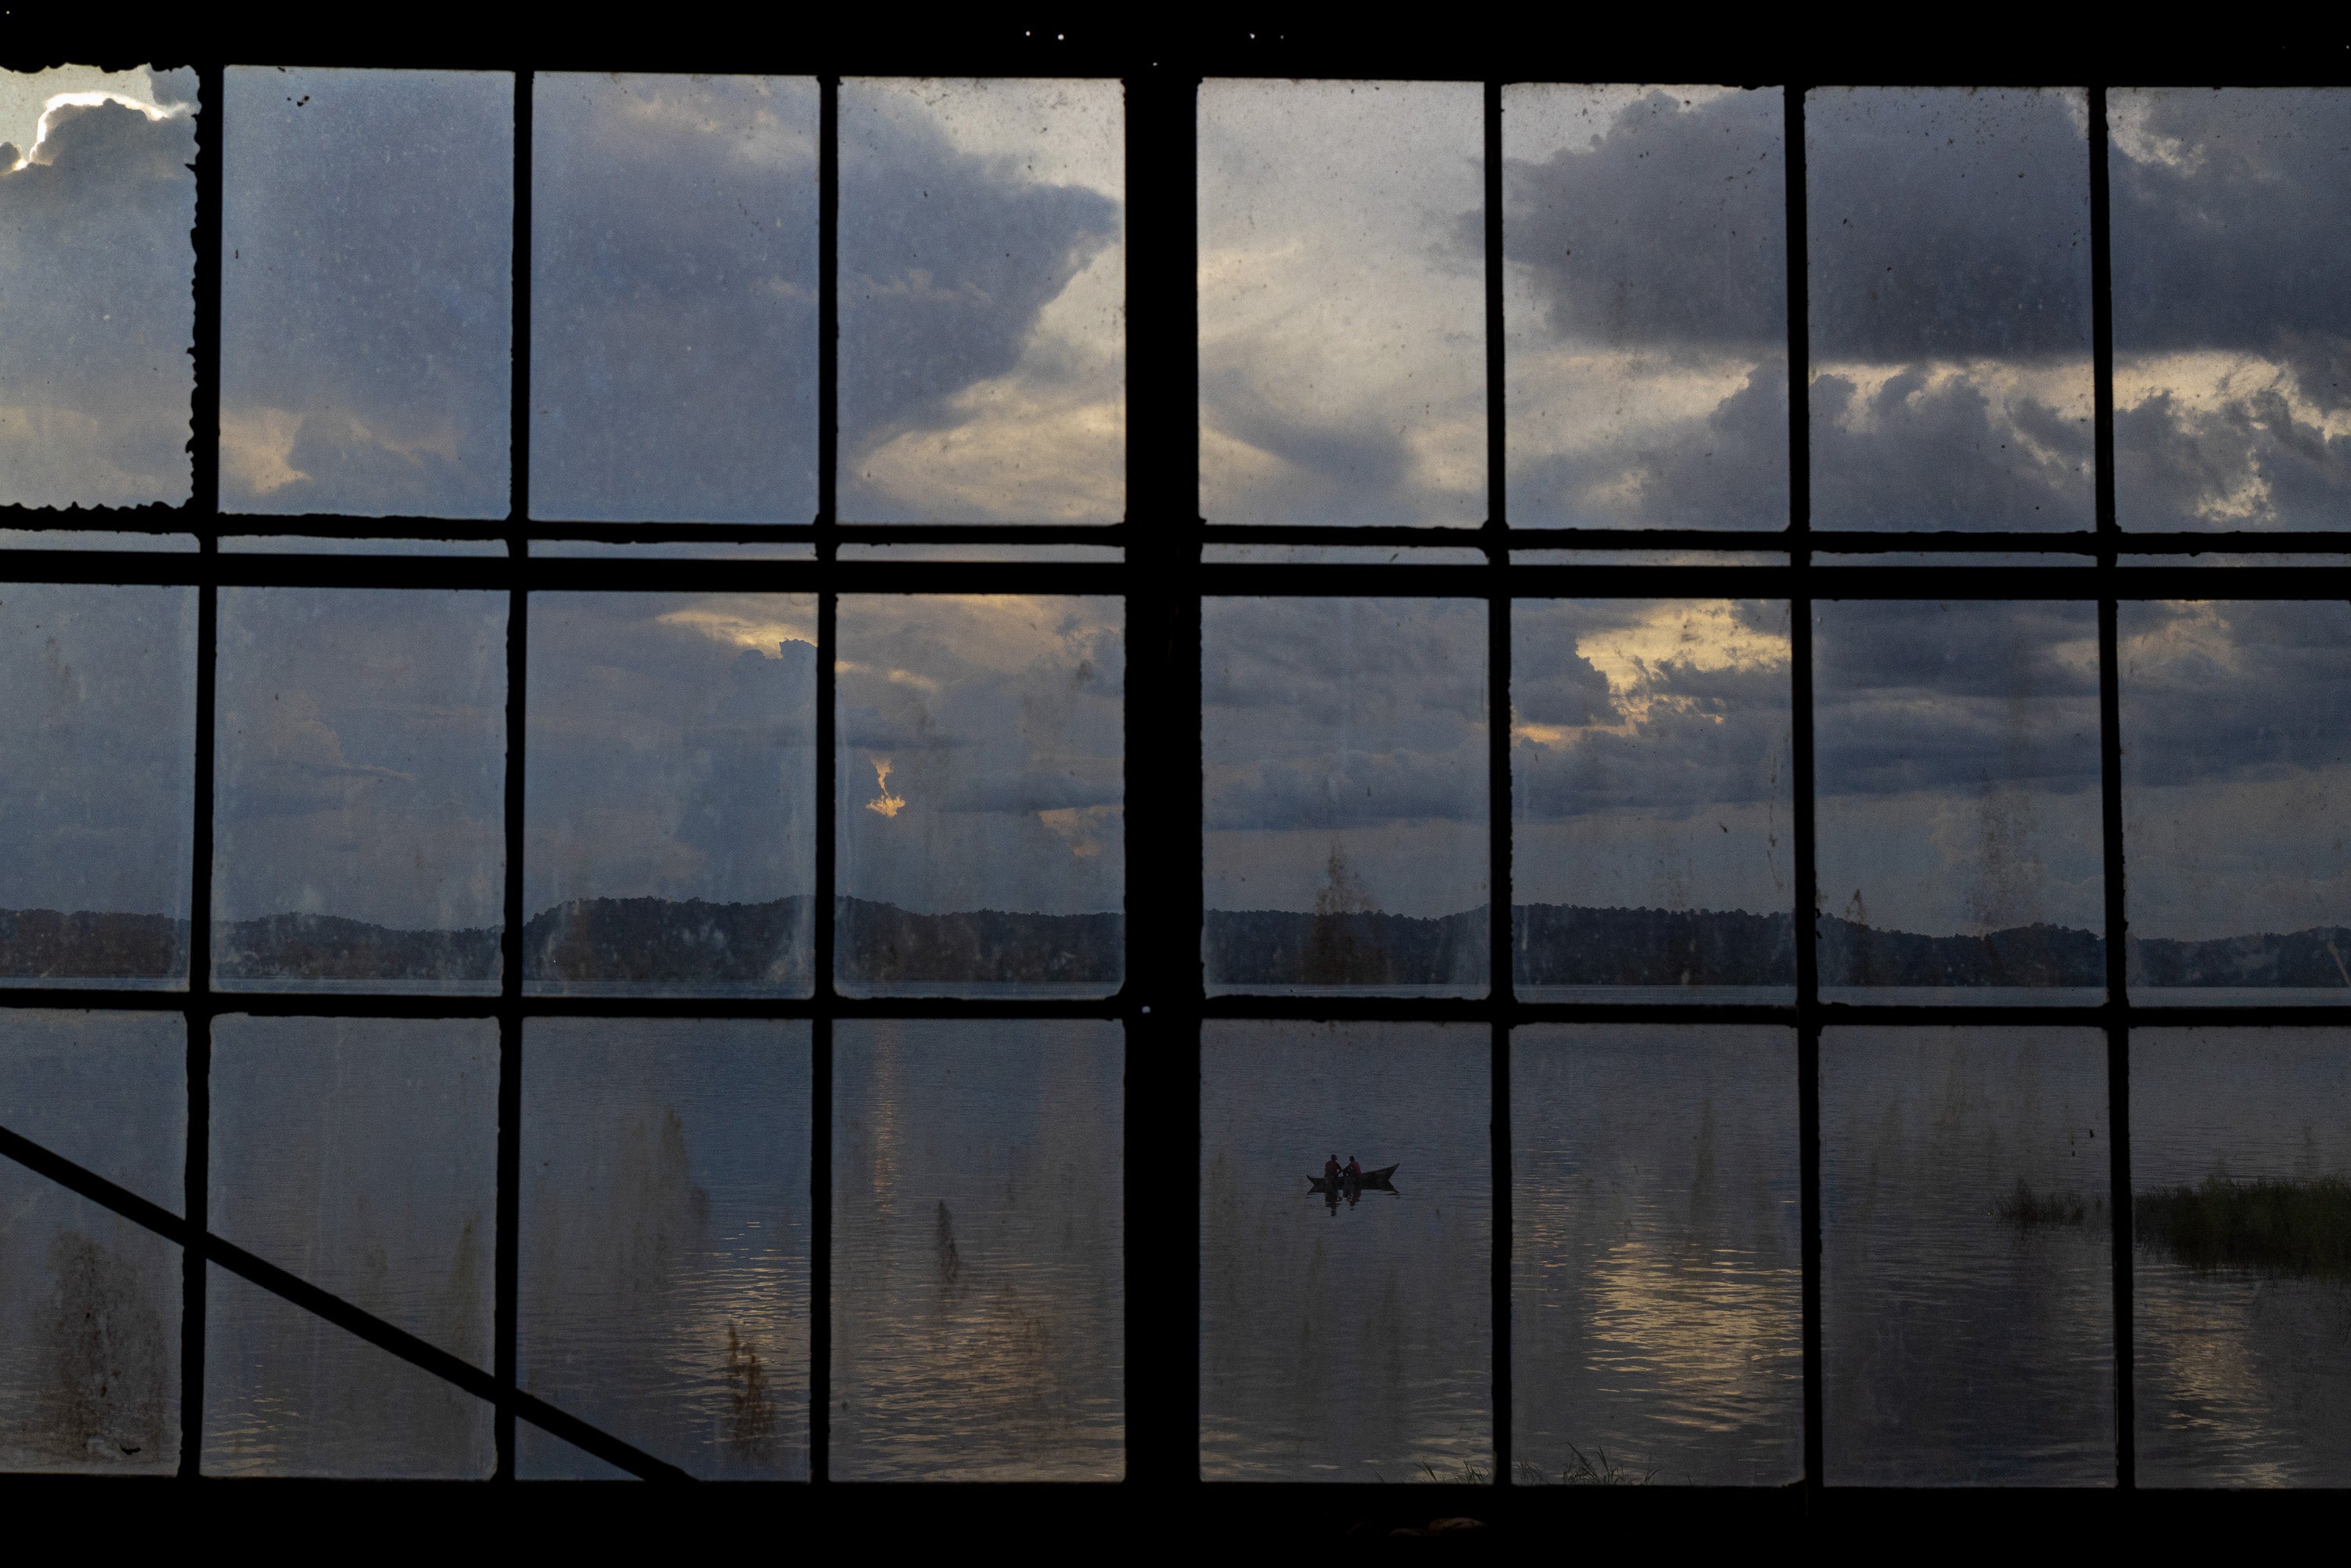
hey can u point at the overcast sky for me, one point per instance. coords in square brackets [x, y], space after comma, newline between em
[96, 308]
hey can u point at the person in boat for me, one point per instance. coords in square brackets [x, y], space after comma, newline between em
[1330, 1171]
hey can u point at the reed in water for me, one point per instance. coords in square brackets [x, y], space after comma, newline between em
[2276, 1226]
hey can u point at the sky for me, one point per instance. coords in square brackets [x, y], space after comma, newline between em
[97, 310]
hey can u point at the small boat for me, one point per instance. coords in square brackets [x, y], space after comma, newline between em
[1375, 1181]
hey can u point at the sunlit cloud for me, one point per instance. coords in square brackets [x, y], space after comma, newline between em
[884, 804]
[746, 621]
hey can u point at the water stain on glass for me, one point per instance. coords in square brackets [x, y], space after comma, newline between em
[981, 796]
[1346, 1333]
[1341, 300]
[1960, 848]
[669, 803]
[1651, 800]
[1344, 757]
[361, 769]
[89, 1303]
[361, 1155]
[1950, 249]
[978, 1295]
[664, 1245]
[97, 196]
[97, 784]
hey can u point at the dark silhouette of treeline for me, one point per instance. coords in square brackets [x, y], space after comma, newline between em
[693, 941]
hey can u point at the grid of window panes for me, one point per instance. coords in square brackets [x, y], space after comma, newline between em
[565, 905]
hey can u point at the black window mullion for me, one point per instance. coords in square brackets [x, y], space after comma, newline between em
[1800, 748]
[2110, 784]
[1498, 898]
[828, 446]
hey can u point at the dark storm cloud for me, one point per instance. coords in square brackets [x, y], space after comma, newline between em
[1352, 789]
[1726, 470]
[97, 312]
[1333, 470]
[946, 258]
[367, 221]
[1406, 654]
[2215, 693]
[2231, 212]
[1666, 227]
[1955, 697]
[1939, 456]
[674, 302]
[1947, 224]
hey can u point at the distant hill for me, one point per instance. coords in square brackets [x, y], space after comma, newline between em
[881, 944]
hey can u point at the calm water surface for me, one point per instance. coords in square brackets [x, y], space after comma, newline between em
[1349, 1341]
[1657, 1276]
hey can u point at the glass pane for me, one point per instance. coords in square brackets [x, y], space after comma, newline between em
[361, 764]
[1960, 831]
[1967, 1289]
[1650, 801]
[360, 1154]
[983, 301]
[97, 196]
[981, 796]
[1343, 745]
[98, 704]
[89, 1303]
[1657, 1271]
[2236, 754]
[1346, 1326]
[664, 1242]
[1949, 243]
[1343, 302]
[671, 776]
[978, 1303]
[1646, 306]
[367, 292]
[2229, 210]
[674, 262]
[2241, 1201]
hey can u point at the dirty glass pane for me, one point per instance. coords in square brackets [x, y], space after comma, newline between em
[1650, 801]
[2231, 410]
[367, 294]
[89, 1303]
[1959, 827]
[668, 795]
[673, 261]
[981, 788]
[1646, 304]
[1343, 302]
[1656, 1269]
[983, 301]
[664, 1242]
[1950, 245]
[360, 1154]
[1966, 1294]
[2236, 723]
[98, 196]
[1345, 1332]
[98, 706]
[361, 776]
[2241, 1205]
[978, 1298]
[1343, 748]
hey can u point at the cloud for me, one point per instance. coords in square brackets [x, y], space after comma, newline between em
[96, 313]
[982, 285]
[367, 294]
[674, 298]
[1950, 447]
